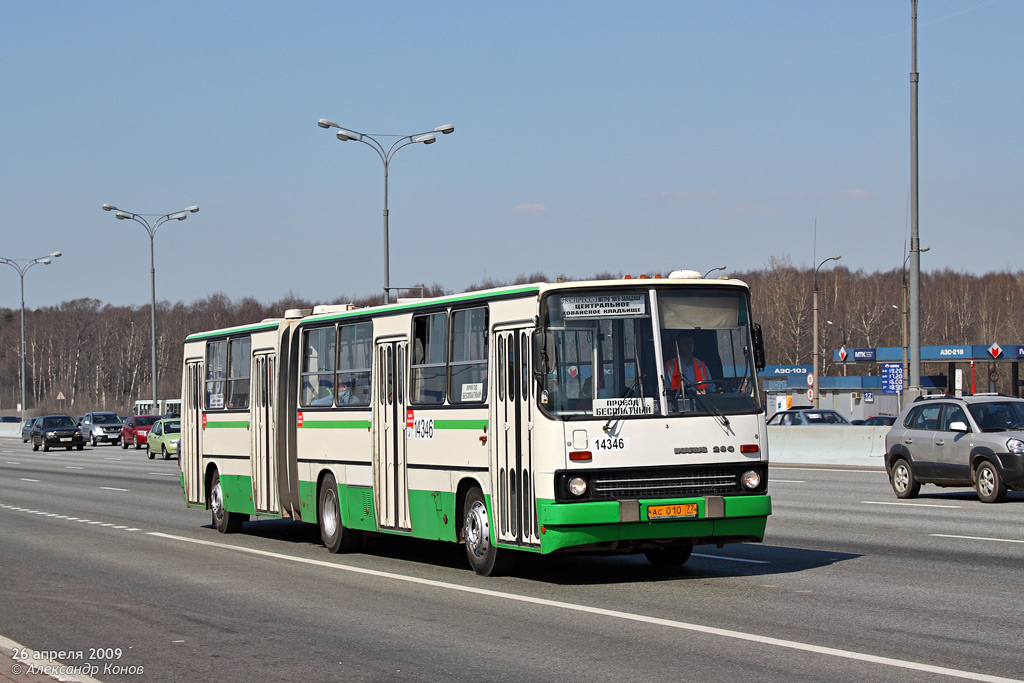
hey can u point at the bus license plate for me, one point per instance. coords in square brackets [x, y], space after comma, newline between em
[671, 511]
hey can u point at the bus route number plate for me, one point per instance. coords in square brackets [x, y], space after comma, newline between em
[678, 511]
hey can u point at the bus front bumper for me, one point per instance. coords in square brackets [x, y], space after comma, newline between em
[618, 525]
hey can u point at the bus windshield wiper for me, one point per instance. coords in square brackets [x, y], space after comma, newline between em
[711, 408]
[630, 390]
[638, 383]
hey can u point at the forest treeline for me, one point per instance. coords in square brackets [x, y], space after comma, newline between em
[98, 355]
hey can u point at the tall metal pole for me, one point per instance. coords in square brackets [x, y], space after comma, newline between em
[152, 308]
[814, 381]
[151, 228]
[427, 138]
[915, 240]
[814, 384]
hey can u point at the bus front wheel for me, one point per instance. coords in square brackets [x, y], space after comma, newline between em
[485, 558]
[670, 556]
[226, 522]
[335, 536]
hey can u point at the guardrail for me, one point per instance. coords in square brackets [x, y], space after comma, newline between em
[828, 445]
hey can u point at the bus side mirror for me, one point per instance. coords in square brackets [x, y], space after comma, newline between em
[543, 353]
[759, 361]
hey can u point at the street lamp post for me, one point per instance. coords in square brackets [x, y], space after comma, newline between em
[22, 266]
[814, 385]
[906, 315]
[151, 228]
[426, 137]
[713, 270]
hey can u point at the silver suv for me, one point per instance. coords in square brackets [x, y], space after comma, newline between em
[102, 428]
[958, 441]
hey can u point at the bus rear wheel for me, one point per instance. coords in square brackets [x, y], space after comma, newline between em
[336, 538]
[485, 558]
[226, 522]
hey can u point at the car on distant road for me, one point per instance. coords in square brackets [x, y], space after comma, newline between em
[135, 430]
[26, 429]
[164, 437]
[880, 421]
[807, 416]
[102, 427]
[975, 441]
[56, 431]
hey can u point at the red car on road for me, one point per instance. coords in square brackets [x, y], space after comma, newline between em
[135, 430]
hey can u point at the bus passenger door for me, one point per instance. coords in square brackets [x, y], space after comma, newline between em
[389, 452]
[263, 433]
[513, 494]
[190, 454]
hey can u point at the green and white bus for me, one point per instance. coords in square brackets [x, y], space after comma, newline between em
[539, 418]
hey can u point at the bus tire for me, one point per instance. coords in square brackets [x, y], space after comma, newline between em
[669, 556]
[485, 558]
[336, 538]
[226, 522]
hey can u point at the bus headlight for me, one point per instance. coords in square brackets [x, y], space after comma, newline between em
[751, 479]
[577, 486]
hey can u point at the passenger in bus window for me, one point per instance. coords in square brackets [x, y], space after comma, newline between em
[346, 394]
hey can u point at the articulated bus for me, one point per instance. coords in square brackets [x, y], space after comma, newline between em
[542, 418]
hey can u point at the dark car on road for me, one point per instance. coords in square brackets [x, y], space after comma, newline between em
[876, 421]
[135, 430]
[26, 430]
[973, 441]
[55, 431]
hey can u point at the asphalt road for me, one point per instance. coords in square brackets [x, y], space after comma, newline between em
[99, 555]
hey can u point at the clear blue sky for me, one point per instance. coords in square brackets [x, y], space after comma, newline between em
[589, 137]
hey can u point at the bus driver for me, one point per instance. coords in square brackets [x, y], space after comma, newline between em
[694, 373]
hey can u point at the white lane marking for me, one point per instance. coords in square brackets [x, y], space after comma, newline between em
[11, 462]
[163, 474]
[731, 559]
[626, 616]
[35, 481]
[74, 468]
[978, 538]
[786, 481]
[111, 488]
[918, 505]
[831, 469]
[65, 517]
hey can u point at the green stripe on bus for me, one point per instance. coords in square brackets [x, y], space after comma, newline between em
[335, 424]
[460, 424]
[235, 424]
[231, 330]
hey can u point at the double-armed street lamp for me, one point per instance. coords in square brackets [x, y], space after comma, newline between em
[814, 385]
[151, 228]
[427, 138]
[22, 266]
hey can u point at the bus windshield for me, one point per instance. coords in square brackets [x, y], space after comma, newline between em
[664, 351]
